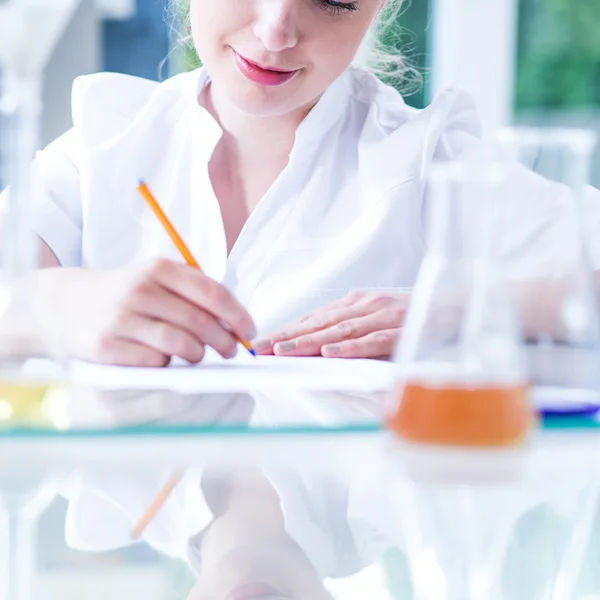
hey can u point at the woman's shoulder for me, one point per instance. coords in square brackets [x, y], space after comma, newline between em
[451, 107]
[370, 95]
[400, 141]
[104, 105]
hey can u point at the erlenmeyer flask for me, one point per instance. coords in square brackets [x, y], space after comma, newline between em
[462, 377]
[558, 307]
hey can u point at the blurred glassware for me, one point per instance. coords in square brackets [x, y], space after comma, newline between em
[462, 375]
[29, 30]
[559, 310]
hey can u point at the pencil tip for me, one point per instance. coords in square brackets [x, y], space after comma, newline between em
[141, 182]
[253, 352]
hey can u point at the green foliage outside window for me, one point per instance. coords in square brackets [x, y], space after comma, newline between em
[558, 54]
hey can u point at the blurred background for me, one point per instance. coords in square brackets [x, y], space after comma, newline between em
[524, 61]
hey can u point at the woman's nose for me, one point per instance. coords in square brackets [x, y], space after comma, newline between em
[277, 24]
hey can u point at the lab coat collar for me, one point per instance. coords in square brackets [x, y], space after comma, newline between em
[326, 113]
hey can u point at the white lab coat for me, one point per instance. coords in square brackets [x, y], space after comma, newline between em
[346, 213]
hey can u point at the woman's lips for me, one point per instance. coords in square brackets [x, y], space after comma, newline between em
[260, 75]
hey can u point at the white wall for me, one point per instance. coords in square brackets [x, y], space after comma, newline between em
[474, 46]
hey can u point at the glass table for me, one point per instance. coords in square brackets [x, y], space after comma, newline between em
[289, 494]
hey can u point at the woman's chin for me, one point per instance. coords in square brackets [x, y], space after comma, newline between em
[261, 102]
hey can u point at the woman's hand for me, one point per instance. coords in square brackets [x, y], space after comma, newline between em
[143, 316]
[361, 325]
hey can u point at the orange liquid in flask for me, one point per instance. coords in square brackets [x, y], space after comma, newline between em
[463, 415]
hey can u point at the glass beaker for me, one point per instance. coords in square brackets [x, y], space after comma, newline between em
[556, 298]
[462, 376]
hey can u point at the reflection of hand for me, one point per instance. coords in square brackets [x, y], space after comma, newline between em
[360, 325]
[110, 408]
[142, 316]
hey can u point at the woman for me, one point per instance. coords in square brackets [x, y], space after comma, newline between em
[296, 177]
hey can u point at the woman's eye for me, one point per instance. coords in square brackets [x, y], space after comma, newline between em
[336, 8]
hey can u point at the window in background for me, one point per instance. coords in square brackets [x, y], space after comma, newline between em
[558, 65]
[139, 45]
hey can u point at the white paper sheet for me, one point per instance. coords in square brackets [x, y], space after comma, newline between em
[246, 374]
[243, 373]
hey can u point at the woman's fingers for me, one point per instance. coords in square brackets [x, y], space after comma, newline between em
[349, 299]
[118, 352]
[207, 294]
[378, 344]
[161, 336]
[313, 324]
[348, 329]
[143, 317]
[160, 304]
[321, 321]
[310, 344]
[354, 316]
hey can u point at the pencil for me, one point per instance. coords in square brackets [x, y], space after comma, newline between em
[151, 201]
[155, 506]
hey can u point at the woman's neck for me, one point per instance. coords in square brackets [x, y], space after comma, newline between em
[254, 137]
[251, 155]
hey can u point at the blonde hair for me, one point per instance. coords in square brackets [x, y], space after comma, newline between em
[380, 53]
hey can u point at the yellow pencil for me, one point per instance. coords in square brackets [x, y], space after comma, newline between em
[155, 506]
[176, 239]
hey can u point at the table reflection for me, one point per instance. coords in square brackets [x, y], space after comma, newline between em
[97, 408]
[276, 531]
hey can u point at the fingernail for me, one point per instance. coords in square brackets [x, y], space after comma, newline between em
[330, 350]
[263, 344]
[285, 346]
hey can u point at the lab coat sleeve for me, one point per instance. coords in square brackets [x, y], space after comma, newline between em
[57, 215]
[541, 227]
[56, 204]
[535, 233]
